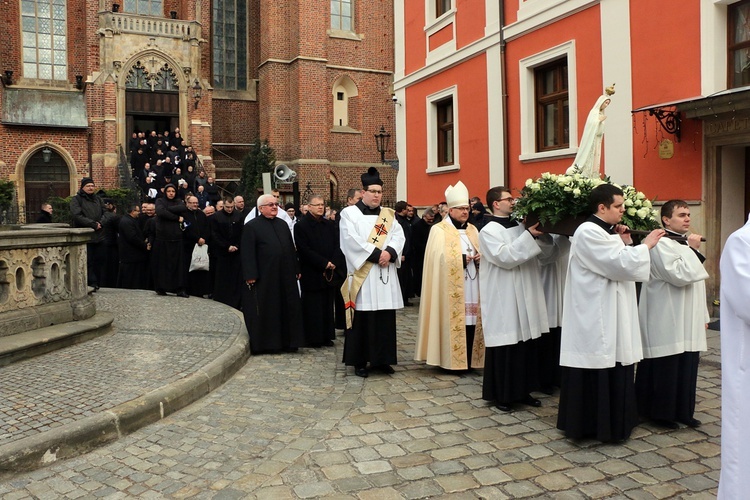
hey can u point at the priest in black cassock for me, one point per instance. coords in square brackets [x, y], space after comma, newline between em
[270, 300]
[133, 251]
[323, 272]
[226, 235]
[197, 232]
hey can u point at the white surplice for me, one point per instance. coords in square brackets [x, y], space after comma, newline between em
[380, 290]
[734, 481]
[554, 265]
[672, 307]
[510, 286]
[600, 314]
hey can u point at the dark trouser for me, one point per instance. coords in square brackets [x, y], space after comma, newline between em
[95, 260]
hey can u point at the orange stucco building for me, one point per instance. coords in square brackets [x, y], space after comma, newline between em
[522, 75]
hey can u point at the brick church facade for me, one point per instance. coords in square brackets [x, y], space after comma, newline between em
[79, 77]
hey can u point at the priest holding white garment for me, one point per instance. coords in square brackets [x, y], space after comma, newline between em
[449, 331]
[601, 339]
[734, 481]
[673, 318]
[514, 313]
[372, 242]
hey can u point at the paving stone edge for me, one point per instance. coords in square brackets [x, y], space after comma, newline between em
[96, 430]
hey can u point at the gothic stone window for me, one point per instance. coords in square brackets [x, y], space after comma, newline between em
[140, 78]
[44, 35]
[230, 44]
[551, 86]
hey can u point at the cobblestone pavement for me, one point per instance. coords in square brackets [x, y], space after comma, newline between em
[303, 426]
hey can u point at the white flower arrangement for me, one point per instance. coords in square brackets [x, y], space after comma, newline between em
[554, 197]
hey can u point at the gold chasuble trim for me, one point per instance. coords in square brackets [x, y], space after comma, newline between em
[353, 283]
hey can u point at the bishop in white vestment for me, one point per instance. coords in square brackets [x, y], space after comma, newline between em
[734, 481]
[449, 331]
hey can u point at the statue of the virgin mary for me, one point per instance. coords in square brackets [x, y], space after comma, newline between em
[588, 158]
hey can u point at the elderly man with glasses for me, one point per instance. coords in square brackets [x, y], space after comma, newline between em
[270, 300]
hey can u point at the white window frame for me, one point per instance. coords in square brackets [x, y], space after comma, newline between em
[435, 24]
[528, 102]
[432, 140]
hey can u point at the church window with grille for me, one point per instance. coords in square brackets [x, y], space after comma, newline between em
[230, 44]
[44, 38]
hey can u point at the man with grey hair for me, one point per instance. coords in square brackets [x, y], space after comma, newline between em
[270, 300]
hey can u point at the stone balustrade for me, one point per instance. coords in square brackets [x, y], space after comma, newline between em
[42, 277]
[120, 22]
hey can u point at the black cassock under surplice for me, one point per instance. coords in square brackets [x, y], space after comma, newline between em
[272, 307]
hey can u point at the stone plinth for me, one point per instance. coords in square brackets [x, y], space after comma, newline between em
[42, 277]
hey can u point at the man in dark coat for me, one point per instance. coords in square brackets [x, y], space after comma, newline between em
[166, 261]
[404, 272]
[196, 232]
[420, 232]
[271, 302]
[226, 236]
[323, 270]
[212, 191]
[110, 225]
[45, 214]
[133, 251]
[87, 209]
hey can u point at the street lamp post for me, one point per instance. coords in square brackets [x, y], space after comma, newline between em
[382, 139]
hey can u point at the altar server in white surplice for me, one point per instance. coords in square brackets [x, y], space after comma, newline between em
[514, 314]
[673, 321]
[735, 362]
[601, 339]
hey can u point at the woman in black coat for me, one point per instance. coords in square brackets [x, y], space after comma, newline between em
[167, 260]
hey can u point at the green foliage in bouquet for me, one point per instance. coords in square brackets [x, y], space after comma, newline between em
[553, 197]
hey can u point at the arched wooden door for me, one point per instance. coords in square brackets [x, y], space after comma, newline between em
[44, 180]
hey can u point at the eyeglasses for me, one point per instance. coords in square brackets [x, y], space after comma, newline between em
[508, 198]
[270, 205]
[375, 191]
[316, 204]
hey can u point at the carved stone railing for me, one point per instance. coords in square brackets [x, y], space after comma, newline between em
[42, 277]
[151, 26]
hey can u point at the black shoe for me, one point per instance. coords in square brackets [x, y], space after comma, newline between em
[183, 295]
[667, 424]
[96, 288]
[387, 369]
[291, 349]
[528, 400]
[692, 422]
[408, 304]
[504, 407]
[161, 292]
[361, 372]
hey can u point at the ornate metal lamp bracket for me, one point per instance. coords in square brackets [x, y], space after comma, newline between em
[669, 120]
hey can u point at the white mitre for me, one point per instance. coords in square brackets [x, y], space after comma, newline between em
[457, 196]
